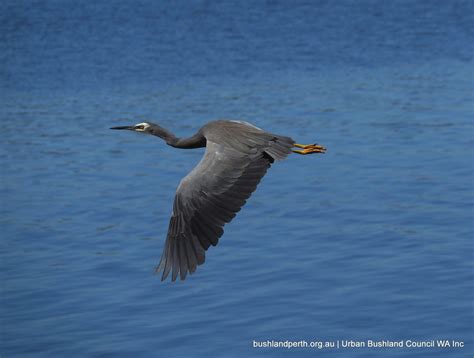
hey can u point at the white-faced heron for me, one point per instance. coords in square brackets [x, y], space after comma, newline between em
[237, 156]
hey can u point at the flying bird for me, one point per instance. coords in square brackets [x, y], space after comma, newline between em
[237, 156]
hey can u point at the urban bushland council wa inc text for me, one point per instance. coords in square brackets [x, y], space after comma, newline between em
[439, 343]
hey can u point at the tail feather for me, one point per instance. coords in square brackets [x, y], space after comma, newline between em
[279, 147]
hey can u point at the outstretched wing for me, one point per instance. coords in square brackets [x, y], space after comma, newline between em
[209, 197]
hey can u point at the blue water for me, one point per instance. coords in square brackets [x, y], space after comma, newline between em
[371, 241]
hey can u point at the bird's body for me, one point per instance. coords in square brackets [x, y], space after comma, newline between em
[237, 156]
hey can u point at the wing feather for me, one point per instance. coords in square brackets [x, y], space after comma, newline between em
[210, 196]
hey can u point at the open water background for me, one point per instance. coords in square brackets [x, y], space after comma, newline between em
[371, 241]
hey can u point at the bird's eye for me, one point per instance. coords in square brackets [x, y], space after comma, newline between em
[140, 127]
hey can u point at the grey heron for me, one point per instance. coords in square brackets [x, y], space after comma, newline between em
[237, 156]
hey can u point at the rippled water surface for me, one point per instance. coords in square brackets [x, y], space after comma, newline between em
[371, 241]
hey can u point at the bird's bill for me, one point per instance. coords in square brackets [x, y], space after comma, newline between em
[130, 128]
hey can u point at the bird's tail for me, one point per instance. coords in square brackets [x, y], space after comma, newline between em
[279, 147]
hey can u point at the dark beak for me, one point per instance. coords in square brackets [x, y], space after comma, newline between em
[130, 128]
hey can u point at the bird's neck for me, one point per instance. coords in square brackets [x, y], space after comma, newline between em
[163, 133]
[196, 141]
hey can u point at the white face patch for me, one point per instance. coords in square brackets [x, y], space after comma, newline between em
[141, 127]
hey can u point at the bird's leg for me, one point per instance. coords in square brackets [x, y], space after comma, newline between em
[309, 148]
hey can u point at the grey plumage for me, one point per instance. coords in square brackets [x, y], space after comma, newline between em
[237, 156]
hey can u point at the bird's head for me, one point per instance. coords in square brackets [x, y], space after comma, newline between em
[143, 127]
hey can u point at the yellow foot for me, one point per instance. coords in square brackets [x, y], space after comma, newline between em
[309, 149]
